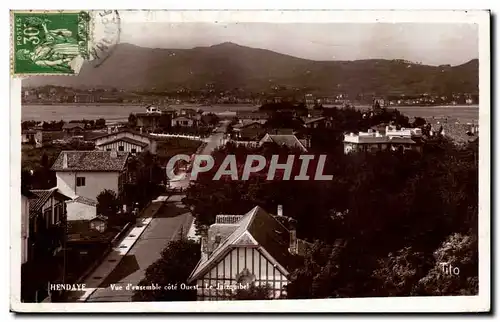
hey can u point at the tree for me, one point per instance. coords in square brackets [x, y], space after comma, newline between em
[132, 120]
[398, 273]
[378, 222]
[108, 204]
[146, 176]
[418, 122]
[177, 261]
[100, 123]
[165, 122]
[210, 119]
[282, 120]
[460, 252]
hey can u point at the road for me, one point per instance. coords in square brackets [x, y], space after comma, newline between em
[170, 221]
[167, 225]
[214, 141]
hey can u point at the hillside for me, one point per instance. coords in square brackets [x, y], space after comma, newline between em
[230, 66]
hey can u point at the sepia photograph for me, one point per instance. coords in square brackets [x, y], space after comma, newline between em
[250, 158]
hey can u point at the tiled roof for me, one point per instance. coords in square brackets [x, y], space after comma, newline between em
[400, 140]
[127, 140]
[282, 131]
[100, 217]
[459, 132]
[73, 125]
[252, 134]
[251, 115]
[246, 122]
[289, 140]
[221, 230]
[308, 120]
[124, 130]
[85, 201]
[268, 232]
[91, 161]
[41, 197]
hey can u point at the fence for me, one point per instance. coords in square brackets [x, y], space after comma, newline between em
[189, 137]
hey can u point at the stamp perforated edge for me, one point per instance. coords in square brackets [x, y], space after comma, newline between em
[12, 59]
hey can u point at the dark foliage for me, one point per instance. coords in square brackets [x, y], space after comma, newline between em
[108, 204]
[177, 261]
[383, 224]
[145, 181]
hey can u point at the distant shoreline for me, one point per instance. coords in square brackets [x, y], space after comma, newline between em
[243, 105]
[113, 113]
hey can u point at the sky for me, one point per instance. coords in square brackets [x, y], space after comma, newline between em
[429, 43]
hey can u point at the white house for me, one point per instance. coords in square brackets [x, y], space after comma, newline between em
[392, 131]
[393, 139]
[182, 121]
[28, 136]
[88, 173]
[255, 248]
[126, 140]
[153, 109]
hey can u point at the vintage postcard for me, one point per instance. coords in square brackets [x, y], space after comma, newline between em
[272, 161]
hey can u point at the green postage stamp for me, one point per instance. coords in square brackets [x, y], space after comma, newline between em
[49, 42]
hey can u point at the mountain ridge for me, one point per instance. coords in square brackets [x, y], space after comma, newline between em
[229, 65]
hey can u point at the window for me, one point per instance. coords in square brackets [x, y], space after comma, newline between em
[133, 150]
[80, 181]
[121, 148]
[108, 149]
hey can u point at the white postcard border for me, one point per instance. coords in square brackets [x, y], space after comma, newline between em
[414, 304]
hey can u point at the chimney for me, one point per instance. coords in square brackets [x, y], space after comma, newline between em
[65, 160]
[114, 154]
[293, 236]
[280, 210]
